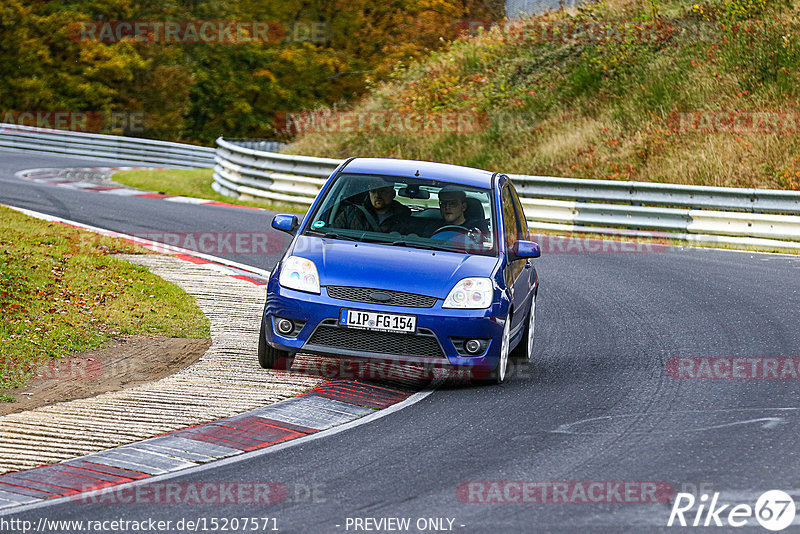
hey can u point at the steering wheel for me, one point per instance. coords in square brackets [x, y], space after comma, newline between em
[461, 238]
[450, 228]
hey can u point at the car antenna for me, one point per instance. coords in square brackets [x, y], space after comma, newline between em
[416, 173]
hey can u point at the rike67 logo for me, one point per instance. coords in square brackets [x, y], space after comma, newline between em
[774, 510]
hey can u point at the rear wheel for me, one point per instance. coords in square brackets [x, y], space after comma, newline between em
[268, 356]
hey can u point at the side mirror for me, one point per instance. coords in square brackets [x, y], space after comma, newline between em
[285, 223]
[527, 249]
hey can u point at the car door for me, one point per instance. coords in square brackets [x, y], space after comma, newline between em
[528, 276]
[518, 270]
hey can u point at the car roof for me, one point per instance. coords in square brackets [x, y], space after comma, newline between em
[427, 169]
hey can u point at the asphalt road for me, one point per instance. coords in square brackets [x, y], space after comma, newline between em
[607, 325]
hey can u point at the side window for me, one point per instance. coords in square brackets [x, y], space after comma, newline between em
[509, 218]
[522, 223]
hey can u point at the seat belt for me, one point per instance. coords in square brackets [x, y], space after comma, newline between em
[370, 218]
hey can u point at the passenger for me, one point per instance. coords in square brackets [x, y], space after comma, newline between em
[380, 212]
[453, 209]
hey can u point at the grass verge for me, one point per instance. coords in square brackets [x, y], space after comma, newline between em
[195, 183]
[62, 291]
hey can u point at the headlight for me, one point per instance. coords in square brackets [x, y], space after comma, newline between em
[299, 273]
[470, 293]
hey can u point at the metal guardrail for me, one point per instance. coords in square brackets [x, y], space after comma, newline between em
[261, 145]
[104, 147]
[718, 214]
[660, 194]
[241, 171]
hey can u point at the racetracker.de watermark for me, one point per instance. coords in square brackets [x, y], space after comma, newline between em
[394, 122]
[246, 243]
[369, 369]
[401, 122]
[575, 31]
[564, 492]
[620, 30]
[78, 121]
[75, 368]
[786, 122]
[743, 368]
[381, 369]
[553, 244]
[198, 31]
[189, 493]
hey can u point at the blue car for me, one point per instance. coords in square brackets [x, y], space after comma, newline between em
[407, 261]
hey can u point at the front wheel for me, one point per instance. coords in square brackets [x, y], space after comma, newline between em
[268, 356]
[524, 349]
[498, 375]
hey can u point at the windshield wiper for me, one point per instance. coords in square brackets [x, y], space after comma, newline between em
[418, 244]
[334, 235]
[364, 239]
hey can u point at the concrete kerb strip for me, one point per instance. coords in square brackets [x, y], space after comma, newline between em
[89, 477]
[24, 502]
[97, 441]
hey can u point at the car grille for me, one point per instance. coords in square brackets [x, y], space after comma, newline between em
[399, 298]
[421, 344]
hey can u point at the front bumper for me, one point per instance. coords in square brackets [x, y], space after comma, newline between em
[433, 344]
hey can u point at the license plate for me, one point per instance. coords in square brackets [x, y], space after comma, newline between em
[385, 322]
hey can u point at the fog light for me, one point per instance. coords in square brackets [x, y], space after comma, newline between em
[284, 326]
[473, 346]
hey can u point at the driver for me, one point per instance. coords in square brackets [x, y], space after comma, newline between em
[380, 212]
[453, 208]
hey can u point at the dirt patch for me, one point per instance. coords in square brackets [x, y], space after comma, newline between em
[126, 362]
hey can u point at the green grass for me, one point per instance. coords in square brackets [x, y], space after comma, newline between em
[595, 108]
[195, 183]
[63, 291]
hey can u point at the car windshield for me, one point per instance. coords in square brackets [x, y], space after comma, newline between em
[407, 212]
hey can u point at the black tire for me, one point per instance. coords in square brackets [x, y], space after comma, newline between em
[524, 351]
[500, 371]
[268, 356]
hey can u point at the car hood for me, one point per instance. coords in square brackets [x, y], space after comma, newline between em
[425, 272]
